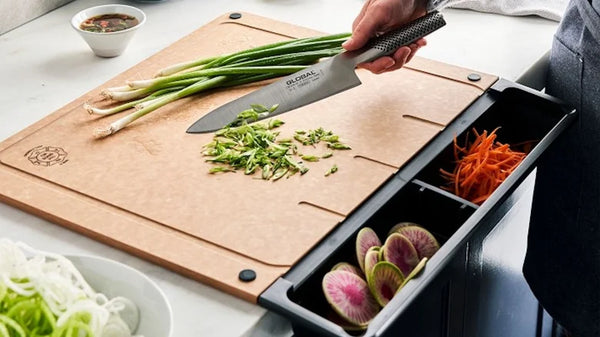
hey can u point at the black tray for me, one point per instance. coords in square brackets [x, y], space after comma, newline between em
[431, 304]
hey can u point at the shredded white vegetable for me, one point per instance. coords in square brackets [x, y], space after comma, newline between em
[27, 271]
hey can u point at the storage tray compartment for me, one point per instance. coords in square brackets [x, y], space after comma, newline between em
[522, 120]
[415, 202]
[432, 304]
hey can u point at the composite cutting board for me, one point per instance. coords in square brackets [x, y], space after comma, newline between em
[147, 189]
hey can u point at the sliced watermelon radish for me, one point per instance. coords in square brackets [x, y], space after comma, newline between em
[349, 295]
[399, 251]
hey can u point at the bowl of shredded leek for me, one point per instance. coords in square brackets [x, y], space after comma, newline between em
[47, 294]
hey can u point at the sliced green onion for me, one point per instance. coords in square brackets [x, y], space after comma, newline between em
[43, 294]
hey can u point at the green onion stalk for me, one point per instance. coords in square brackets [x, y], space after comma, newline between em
[189, 78]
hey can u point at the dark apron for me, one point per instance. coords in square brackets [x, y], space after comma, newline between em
[562, 264]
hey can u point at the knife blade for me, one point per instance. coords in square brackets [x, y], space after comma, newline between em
[321, 80]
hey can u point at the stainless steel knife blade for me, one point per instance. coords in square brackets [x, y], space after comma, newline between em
[321, 80]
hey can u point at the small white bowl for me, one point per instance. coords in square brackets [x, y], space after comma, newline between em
[116, 279]
[108, 44]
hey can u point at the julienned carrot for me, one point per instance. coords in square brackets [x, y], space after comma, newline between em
[481, 166]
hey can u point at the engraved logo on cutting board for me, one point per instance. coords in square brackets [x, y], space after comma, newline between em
[47, 155]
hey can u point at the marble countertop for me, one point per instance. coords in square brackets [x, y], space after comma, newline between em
[45, 65]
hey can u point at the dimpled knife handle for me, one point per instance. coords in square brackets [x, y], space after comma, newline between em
[389, 42]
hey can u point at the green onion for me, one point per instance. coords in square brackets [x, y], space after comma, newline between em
[339, 146]
[218, 169]
[312, 137]
[157, 103]
[208, 73]
[255, 147]
[332, 170]
[256, 112]
[310, 158]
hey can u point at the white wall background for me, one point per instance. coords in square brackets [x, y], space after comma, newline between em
[14, 13]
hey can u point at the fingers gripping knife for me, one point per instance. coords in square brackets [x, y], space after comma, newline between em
[321, 80]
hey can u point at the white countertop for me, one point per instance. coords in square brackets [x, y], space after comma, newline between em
[45, 65]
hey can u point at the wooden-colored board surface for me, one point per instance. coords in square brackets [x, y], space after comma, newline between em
[147, 189]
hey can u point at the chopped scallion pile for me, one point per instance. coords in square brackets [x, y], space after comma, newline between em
[256, 147]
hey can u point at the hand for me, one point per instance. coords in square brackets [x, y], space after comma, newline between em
[378, 17]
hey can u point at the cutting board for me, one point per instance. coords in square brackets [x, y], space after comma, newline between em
[147, 189]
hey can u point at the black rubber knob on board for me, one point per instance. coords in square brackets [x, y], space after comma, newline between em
[235, 16]
[247, 275]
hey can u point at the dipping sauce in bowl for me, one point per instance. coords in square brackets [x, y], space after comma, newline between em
[108, 23]
[107, 29]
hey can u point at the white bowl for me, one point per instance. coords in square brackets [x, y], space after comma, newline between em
[116, 279]
[108, 44]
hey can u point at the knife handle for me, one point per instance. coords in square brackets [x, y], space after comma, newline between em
[389, 42]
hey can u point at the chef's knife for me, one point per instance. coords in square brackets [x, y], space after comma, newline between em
[321, 80]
